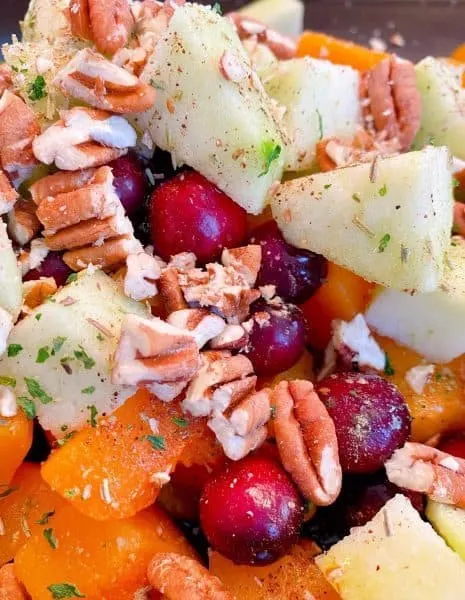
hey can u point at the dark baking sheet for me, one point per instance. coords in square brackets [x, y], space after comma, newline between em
[428, 26]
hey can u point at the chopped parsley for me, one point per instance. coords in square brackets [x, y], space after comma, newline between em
[270, 152]
[38, 89]
[157, 442]
[38, 316]
[36, 391]
[217, 8]
[383, 242]
[180, 422]
[65, 439]
[71, 278]
[43, 354]
[28, 406]
[100, 337]
[70, 493]
[88, 390]
[157, 85]
[388, 368]
[455, 182]
[45, 517]
[7, 491]
[383, 191]
[51, 539]
[86, 360]
[8, 381]
[64, 590]
[320, 124]
[93, 416]
[431, 141]
[14, 350]
[327, 186]
[356, 197]
[57, 344]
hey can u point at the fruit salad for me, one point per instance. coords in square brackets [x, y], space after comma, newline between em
[232, 309]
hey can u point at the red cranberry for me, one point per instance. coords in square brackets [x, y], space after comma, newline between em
[297, 274]
[251, 512]
[454, 444]
[277, 338]
[129, 182]
[51, 266]
[371, 419]
[190, 214]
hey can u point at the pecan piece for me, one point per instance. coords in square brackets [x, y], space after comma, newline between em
[282, 46]
[391, 101]
[142, 273]
[203, 325]
[234, 337]
[104, 85]
[178, 577]
[23, 224]
[246, 261]
[10, 587]
[6, 79]
[107, 23]
[37, 291]
[109, 256]
[306, 440]
[170, 290]
[8, 195]
[33, 258]
[84, 138]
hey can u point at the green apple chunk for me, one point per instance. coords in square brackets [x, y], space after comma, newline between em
[449, 522]
[432, 324]
[11, 294]
[395, 556]
[211, 111]
[285, 16]
[45, 19]
[389, 222]
[321, 100]
[443, 106]
[60, 355]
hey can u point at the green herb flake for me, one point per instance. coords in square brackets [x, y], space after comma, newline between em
[383, 191]
[100, 337]
[217, 8]
[6, 492]
[28, 406]
[157, 85]
[270, 152]
[36, 391]
[57, 344]
[70, 493]
[431, 141]
[64, 590]
[8, 381]
[320, 124]
[43, 354]
[356, 197]
[383, 242]
[88, 390]
[38, 89]
[72, 278]
[157, 442]
[44, 519]
[51, 539]
[86, 360]
[92, 420]
[455, 182]
[14, 350]
[388, 368]
[180, 422]
[38, 316]
[327, 186]
[66, 439]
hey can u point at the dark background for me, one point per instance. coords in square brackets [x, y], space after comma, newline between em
[428, 26]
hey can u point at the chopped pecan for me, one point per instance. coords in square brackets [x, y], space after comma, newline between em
[246, 261]
[233, 337]
[84, 138]
[171, 291]
[107, 23]
[232, 67]
[282, 46]
[10, 586]
[245, 429]
[23, 224]
[152, 20]
[109, 256]
[37, 291]
[60, 183]
[203, 325]
[391, 101]
[354, 343]
[8, 195]
[142, 273]
[424, 469]
[104, 85]
[307, 442]
[178, 577]
[6, 81]
[183, 262]
[33, 258]
[132, 60]
[152, 351]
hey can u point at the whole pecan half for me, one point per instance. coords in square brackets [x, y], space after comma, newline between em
[391, 101]
[306, 440]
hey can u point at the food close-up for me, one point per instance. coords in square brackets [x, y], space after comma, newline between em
[232, 309]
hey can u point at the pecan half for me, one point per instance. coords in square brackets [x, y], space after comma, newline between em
[107, 23]
[8, 195]
[306, 440]
[391, 101]
[84, 138]
[10, 587]
[152, 351]
[142, 273]
[104, 85]
[203, 325]
[282, 46]
[23, 224]
[178, 577]
[109, 256]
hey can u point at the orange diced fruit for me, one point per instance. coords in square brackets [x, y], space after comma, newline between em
[117, 468]
[338, 51]
[441, 405]
[293, 576]
[26, 507]
[101, 561]
[10, 587]
[15, 441]
[459, 53]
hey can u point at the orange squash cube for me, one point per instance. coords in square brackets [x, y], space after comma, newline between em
[15, 441]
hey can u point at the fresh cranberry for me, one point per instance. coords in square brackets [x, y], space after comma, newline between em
[297, 274]
[51, 266]
[277, 338]
[371, 419]
[129, 182]
[251, 512]
[190, 214]
[454, 444]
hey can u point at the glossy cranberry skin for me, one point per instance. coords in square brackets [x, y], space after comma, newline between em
[454, 444]
[251, 512]
[297, 274]
[51, 266]
[129, 182]
[371, 419]
[190, 214]
[277, 338]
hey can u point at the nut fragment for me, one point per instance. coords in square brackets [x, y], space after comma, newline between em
[8, 195]
[306, 440]
[282, 46]
[203, 325]
[178, 577]
[232, 67]
[246, 260]
[23, 224]
[104, 85]
[170, 290]
[33, 258]
[84, 138]
[36, 292]
[233, 337]
[6, 81]
[142, 273]
[109, 256]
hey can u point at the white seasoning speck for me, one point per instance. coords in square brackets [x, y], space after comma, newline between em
[105, 491]
[86, 492]
[2, 527]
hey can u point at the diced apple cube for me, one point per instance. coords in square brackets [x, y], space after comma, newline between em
[285, 16]
[449, 522]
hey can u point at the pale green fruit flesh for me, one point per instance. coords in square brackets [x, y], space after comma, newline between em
[11, 294]
[285, 16]
[449, 522]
